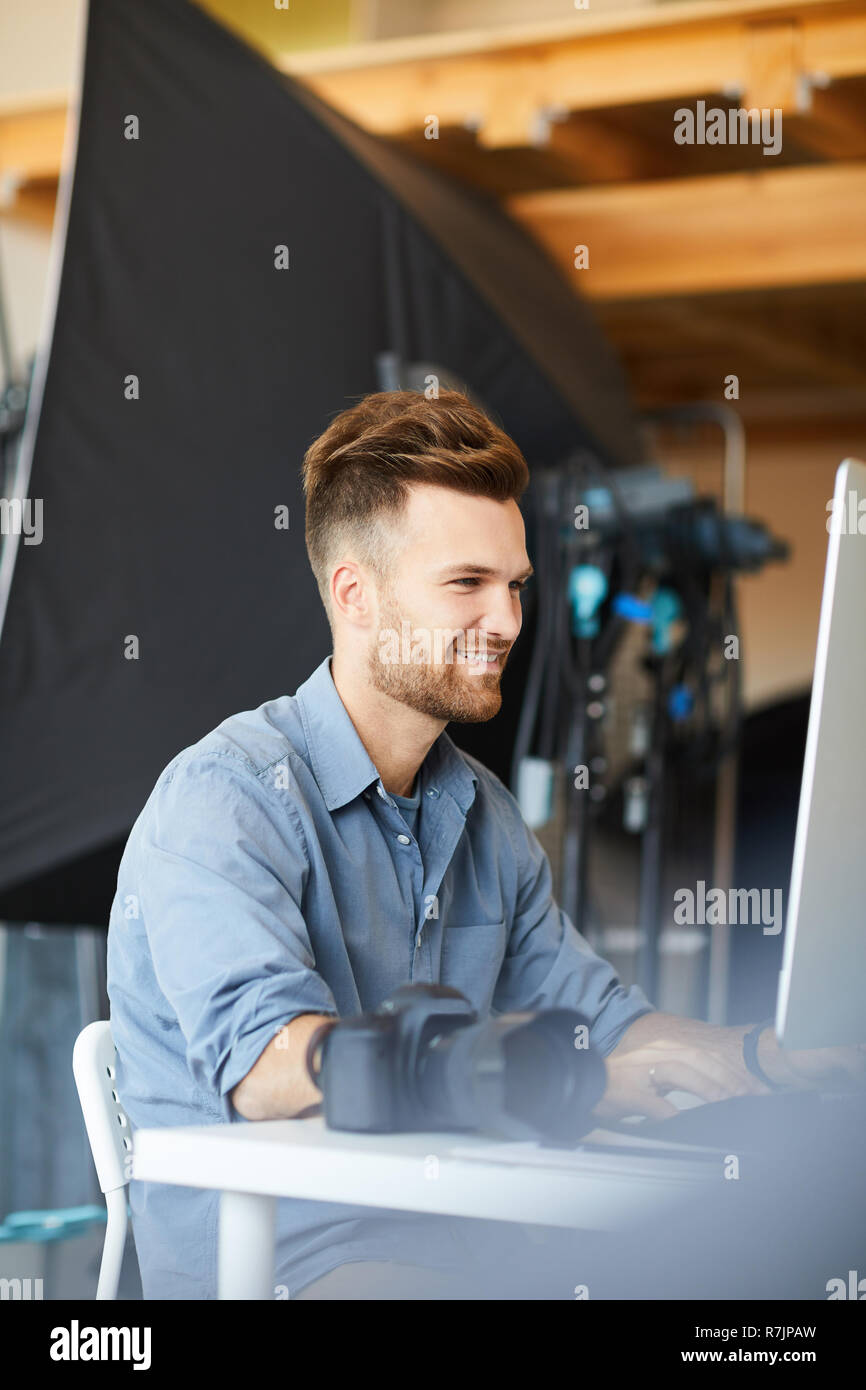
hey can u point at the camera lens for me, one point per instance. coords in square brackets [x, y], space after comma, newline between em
[518, 1075]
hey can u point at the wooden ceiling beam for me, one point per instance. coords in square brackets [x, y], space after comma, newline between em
[33, 203]
[598, 152]
[723, 232]
[834, 126]
[739, 340]
[504, 84]
[31, 137]
[507, 84]
[775, 77]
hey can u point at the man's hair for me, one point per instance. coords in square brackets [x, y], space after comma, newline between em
[358, 473]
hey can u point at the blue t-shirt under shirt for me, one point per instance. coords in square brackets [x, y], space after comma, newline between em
[408, 807]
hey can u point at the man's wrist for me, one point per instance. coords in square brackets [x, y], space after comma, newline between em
[313, 1053]
[646, 1027]
[773, 1061]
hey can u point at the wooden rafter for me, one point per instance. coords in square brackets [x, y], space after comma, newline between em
[766, 50]
[583, 111]
[31, 136]
[731, 231]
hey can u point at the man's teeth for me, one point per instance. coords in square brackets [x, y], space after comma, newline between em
[478, 660]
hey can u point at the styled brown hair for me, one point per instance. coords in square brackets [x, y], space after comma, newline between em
[358, 472]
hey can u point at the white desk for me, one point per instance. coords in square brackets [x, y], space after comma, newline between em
[251, 1165]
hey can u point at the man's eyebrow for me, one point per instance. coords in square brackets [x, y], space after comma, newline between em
[484, 570]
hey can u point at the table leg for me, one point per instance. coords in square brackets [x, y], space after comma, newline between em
[246, 1245]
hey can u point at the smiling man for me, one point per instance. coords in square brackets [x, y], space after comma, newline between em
[305, 859]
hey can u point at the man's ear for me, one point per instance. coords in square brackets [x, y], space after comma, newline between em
[352, 594]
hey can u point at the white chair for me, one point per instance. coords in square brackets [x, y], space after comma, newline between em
[93, 1065]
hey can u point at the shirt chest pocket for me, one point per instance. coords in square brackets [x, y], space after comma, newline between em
[472, 956]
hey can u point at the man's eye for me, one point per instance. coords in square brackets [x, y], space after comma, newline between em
[518, 584]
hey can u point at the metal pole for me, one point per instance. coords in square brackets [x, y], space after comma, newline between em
[724, 844]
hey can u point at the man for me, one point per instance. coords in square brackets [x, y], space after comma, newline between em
[306, 858]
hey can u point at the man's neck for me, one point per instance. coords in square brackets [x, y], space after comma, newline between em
[397, 738]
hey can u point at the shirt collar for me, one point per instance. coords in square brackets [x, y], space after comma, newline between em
[341, 764]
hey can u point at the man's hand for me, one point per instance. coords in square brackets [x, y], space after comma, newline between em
[707, 1060]
[842, 1068]
[684, 1055]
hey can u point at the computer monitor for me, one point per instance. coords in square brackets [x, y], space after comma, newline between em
[822, 986]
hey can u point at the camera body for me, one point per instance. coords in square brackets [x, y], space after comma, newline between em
[422, 1060]
[370, 1060]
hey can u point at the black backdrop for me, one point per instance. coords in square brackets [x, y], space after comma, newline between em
[159, 512]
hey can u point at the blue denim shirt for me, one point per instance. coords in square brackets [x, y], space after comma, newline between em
[270, 875]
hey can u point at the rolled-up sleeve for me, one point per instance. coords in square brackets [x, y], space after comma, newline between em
[221, 877]
[548, 964]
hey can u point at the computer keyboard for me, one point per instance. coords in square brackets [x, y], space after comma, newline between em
[763, 1123]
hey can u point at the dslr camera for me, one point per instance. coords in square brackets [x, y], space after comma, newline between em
[422, 1060]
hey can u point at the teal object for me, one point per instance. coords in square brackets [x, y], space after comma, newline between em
[633, 608]
[535, 791]
[587, 590]
[666, 608]
[659, 613]
[51, 1225]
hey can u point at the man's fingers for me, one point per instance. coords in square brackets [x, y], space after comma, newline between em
[828, 1064]
[638, 1080]
[712, 1081]
[747, 1084]
[730, 1080]
[635, 1103]
[655, 1107]
[849, 1059]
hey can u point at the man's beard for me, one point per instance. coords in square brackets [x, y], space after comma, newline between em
[445, 688]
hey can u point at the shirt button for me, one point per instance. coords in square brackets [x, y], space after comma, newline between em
[404, 840]
[418, 941]
[433, 791]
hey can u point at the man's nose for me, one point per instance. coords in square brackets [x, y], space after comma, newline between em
[503, 619]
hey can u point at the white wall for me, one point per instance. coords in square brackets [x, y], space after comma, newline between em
[37, 59]
[392, 18]
[23, 276]
[37, 42]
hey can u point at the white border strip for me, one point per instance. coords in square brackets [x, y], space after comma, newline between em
[26, 444]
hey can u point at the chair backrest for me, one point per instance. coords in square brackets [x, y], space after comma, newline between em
[93, 1065]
